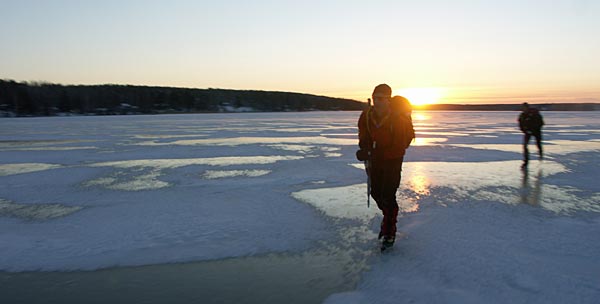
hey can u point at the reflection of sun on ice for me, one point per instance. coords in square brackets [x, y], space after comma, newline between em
[417, 182]
[421, 96]
[419, 141]
[427, 141]
[420, 117]
[419, 186]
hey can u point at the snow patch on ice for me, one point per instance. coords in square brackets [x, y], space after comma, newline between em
[340, 202]
[302, 149]
[51, 148]
[237, 141]
[35, 211]
[12, 169]
[143, 174]
[211, 161]
[167, 136]
[470, 253]
[349, 202]
[556, 147]
[123, 182]
[215, 174]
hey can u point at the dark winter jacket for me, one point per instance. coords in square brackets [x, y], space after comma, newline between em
[531, 121]
[387, 137]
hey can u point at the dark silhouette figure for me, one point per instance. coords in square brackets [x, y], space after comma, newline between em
[530, 123]
[385, 131]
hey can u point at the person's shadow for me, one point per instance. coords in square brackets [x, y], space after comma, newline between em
[531, 195]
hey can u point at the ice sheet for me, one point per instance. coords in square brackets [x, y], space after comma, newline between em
[174, 188]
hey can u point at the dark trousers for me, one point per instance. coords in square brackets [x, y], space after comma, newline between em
[385, 180]
[538, 140]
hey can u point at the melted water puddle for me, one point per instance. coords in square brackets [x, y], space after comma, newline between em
[500, 181]
[309, 277]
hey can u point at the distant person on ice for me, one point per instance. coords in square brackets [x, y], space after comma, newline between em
[530, 123]
[385, 130]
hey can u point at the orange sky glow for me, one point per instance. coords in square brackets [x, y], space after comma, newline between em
[463, 52]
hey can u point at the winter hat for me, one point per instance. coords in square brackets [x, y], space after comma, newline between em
[383, 89]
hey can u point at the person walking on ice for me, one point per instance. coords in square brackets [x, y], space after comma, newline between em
[530, 123]
[385, 131]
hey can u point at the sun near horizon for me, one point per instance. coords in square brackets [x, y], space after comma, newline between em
[421, 97]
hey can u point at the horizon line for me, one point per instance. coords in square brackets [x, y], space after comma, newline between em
[528, 100]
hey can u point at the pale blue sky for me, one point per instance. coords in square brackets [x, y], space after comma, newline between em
[476, 51]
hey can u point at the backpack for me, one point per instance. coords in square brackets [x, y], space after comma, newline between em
[398, 114]
[531, 120]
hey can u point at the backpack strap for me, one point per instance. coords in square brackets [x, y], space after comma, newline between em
[368, 120]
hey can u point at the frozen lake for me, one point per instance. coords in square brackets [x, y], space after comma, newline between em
[97, 205]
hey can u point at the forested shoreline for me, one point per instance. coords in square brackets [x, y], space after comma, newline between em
[48, 99]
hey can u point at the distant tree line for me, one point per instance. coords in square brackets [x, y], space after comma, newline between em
[47, 99]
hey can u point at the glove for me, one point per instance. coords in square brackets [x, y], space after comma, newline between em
[362, 155]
